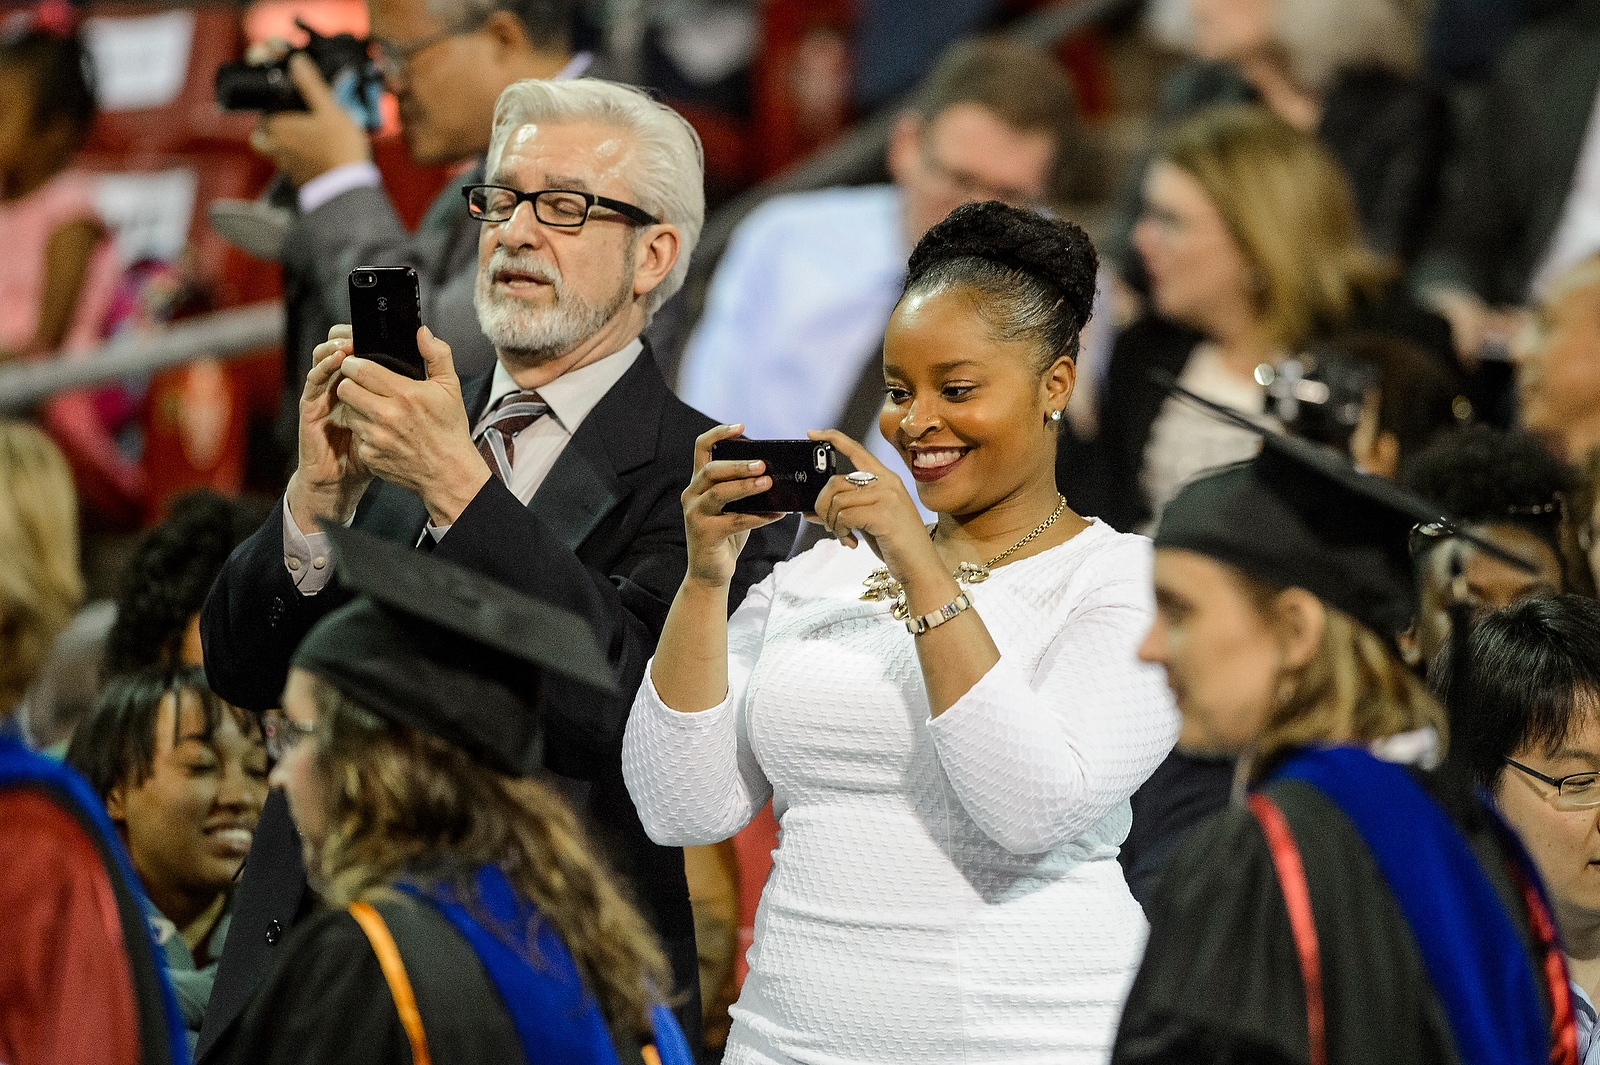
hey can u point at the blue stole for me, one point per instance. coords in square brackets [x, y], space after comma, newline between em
[20, 767]
[558, 1021]
[1470, 948]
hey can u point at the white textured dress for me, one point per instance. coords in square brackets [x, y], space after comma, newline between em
[944, 890]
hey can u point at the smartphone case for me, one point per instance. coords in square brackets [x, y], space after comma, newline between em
[798, 468]
[385, 314]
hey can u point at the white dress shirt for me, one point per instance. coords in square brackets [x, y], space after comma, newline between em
[570, 397]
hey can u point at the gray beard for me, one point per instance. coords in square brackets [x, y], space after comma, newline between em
[532, 336]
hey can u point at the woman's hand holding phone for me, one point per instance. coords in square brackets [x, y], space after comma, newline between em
[715, 536]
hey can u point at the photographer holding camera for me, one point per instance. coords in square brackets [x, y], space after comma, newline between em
[447, 62]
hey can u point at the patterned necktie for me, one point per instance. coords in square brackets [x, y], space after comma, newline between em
[497, 439]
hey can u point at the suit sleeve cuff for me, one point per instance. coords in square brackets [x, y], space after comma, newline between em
[305, 557]
[341, 179]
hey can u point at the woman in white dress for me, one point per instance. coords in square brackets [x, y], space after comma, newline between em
[945, 887]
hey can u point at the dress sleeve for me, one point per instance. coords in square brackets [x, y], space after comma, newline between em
[1038, 758]
[694, 777]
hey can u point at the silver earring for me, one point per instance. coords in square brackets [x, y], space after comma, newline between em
[1055, 416]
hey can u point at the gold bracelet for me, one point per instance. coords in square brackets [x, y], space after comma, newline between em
[934, 618]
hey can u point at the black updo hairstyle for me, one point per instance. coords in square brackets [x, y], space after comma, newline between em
[60, 69]
[1034, 275]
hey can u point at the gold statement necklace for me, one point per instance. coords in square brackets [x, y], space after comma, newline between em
[881, 586]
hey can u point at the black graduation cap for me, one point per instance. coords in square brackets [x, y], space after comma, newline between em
[430, 644]
[1300, 514]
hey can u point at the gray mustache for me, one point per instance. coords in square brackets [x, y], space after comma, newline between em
[528, 265]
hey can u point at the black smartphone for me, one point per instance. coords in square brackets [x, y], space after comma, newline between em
[798, 468]
[385, 314]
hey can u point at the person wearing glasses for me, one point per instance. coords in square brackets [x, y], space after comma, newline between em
[447, 63]
[183, 777]
[559, 473]
[795, 314]
[1527, 730]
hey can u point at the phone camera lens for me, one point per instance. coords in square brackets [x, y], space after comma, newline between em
[819, 456]
[366, 279]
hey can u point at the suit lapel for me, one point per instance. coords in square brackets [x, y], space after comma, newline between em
[618, 435]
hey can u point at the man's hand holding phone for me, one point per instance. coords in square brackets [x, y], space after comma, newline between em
[330, 477]
[413, 434]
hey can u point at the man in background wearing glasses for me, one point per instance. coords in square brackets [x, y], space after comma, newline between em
[446, 61]
[558, 474]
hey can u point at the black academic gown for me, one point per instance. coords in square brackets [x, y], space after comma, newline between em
[1221, 981]
[326, 1002]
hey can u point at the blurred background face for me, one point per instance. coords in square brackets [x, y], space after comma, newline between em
[1221, 656]
[965, 411]
[1558, 363]
[189, 824]
[966, 153]
[443, 115]
[1231, 30]
[1485, 584]
[1198, 274]
[1564, 844]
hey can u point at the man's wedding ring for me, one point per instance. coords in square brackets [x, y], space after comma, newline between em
[861, 478]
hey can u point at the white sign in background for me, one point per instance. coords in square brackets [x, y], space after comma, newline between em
[149, 213]
[140, 62]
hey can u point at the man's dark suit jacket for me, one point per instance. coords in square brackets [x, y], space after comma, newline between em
[602, 537]
[1508, 185]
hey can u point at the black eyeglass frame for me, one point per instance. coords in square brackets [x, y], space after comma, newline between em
[1557, 782]
[637, 215]
[292, 733]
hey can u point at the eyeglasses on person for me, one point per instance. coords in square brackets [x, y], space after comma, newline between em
[392, 57]
[1575, 791]
[282, 733]
[565, 208]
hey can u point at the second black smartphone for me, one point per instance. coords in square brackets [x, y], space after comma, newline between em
[385, 314]
[798, 468]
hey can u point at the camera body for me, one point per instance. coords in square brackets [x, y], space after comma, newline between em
[343, 61]
[1320, 395]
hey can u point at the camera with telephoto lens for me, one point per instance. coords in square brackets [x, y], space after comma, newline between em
[344, 61]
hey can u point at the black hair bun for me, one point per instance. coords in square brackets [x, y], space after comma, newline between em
[1054, 251]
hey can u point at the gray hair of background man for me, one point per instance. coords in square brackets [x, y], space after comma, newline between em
[548, 23]
[668, 177]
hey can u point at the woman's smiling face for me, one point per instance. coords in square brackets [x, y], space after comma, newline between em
[968, 412]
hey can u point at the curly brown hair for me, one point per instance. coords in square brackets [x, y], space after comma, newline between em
[400, 802]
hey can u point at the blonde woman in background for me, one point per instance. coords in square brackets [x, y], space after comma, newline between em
[80, 979]
[1342, 70]
[1253, 250]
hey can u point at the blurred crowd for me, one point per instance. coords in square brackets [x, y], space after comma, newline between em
[1277, 322]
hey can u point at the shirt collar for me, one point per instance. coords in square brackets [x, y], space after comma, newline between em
[575, 67]
[1580, 999]
[572, 395]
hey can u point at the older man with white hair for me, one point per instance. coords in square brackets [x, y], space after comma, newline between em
[558, 474]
